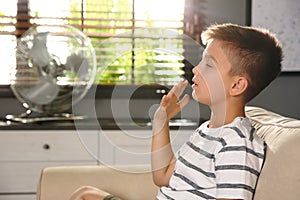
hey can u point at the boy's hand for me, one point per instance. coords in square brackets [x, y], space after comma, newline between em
[162, 157]
[170, 104]
[88, 193]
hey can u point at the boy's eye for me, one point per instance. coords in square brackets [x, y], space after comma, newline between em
[209, 65]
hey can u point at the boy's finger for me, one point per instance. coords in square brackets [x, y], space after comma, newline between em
[172, 95]
[163, 100]
[184, 101]
[173, 90]
[180, 88]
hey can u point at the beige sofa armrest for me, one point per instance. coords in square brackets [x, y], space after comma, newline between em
[128, 182]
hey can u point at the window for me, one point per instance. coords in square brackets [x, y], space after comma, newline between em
[136, 42]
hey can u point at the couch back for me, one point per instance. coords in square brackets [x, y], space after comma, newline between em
[280, 176]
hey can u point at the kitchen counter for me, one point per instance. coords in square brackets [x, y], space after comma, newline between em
[95, 124]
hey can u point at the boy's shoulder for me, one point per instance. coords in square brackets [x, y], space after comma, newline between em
[240, 130]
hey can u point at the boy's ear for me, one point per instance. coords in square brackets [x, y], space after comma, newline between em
[239, 86]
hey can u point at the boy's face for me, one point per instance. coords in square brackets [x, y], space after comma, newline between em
[212, 79]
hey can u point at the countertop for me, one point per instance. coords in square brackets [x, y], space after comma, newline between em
[94, 124]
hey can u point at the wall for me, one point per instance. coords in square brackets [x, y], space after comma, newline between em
[281, 96]
[282, 18]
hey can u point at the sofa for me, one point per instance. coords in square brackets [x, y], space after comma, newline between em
[279, 178]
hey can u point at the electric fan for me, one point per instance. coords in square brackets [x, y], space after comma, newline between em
[55, 67]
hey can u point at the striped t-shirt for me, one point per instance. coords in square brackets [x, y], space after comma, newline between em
[214, 163]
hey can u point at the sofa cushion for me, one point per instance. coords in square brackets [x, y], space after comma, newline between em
[280, 176]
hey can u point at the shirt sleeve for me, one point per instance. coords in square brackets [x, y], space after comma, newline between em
[237, 167]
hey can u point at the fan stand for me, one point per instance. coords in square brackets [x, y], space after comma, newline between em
[25, 117]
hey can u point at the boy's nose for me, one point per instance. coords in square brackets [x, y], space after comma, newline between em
[195, 70]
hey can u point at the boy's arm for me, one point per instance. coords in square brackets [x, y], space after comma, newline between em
[162, 156]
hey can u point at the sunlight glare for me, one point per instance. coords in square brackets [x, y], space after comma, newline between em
[160, 10]
[7, 42]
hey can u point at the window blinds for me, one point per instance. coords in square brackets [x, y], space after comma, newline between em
[136, 42]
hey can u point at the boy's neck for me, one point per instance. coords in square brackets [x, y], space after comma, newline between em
[222, 115]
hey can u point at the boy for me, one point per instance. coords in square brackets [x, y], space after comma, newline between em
[223, 158]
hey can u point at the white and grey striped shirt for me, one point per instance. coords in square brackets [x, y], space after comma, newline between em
[222, 162]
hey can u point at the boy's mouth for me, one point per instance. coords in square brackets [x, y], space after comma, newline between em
[194, 83]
